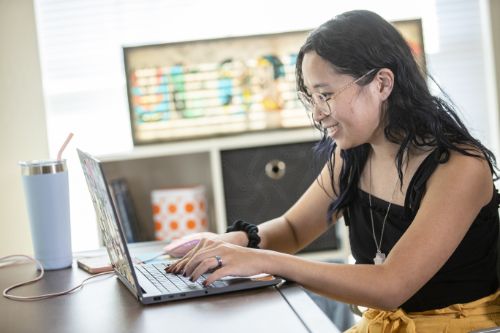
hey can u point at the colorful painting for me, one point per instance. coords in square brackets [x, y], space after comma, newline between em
[214, 87]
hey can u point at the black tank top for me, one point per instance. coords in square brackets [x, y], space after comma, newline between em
[469, 274]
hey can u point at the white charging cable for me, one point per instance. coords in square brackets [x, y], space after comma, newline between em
[10, 260]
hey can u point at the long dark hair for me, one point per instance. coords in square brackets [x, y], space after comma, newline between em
[358, 41]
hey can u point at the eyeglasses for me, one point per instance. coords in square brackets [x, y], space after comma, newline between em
[320, 101]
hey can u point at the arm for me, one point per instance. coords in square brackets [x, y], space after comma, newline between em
[455, 194]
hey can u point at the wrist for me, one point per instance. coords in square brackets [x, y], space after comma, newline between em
[239, 238]
[273, 262]
[251, 231]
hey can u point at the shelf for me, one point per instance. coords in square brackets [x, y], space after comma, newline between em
[219, 143]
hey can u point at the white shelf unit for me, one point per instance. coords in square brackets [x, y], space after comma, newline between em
[195, 162]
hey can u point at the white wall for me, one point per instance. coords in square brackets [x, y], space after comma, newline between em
[23, 133]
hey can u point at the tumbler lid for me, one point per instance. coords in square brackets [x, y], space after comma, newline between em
[39, 167]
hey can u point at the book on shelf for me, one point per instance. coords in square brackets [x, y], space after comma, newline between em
[125, 209]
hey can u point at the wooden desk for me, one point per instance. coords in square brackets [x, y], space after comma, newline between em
[105, 305]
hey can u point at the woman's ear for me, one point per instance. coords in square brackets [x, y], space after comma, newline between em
[385, 82]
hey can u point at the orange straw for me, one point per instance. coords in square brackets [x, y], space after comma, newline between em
[68, 139]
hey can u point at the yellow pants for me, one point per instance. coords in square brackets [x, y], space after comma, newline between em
[457, 318]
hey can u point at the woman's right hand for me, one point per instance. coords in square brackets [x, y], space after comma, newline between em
[221, 259]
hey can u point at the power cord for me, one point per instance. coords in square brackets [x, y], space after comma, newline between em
[11, 260]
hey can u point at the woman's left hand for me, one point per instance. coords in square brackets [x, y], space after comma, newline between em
[222, 258]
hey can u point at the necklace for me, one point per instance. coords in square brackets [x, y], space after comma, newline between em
[379, 256]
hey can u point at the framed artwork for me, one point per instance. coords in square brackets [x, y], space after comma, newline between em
[213, 87]
[207, 88]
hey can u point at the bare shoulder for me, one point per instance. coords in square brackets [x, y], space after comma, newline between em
[464, 173]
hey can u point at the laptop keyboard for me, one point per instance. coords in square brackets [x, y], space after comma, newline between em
[172, 283]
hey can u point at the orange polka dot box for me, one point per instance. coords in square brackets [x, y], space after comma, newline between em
[179, 211]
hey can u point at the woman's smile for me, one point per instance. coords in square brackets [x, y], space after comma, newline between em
[332, 129]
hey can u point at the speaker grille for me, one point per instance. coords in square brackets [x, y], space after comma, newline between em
[262, 183]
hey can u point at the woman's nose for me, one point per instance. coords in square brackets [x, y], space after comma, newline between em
[318, 114]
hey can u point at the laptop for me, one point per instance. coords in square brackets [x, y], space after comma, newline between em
[149, 282]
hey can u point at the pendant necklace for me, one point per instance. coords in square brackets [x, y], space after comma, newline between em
[379, 256]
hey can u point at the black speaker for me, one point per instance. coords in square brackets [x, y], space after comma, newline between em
[262, 183]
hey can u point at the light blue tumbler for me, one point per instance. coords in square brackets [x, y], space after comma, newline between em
[47, 197]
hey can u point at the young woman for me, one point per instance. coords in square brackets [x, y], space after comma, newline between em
[414, 188]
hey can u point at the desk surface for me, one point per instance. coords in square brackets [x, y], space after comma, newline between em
[105, 305]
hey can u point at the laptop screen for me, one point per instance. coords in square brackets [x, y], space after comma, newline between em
[107, 219]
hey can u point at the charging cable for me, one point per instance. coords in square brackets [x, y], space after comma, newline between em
[13, 259]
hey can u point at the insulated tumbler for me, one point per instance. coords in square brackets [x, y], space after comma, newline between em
[47, 197]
